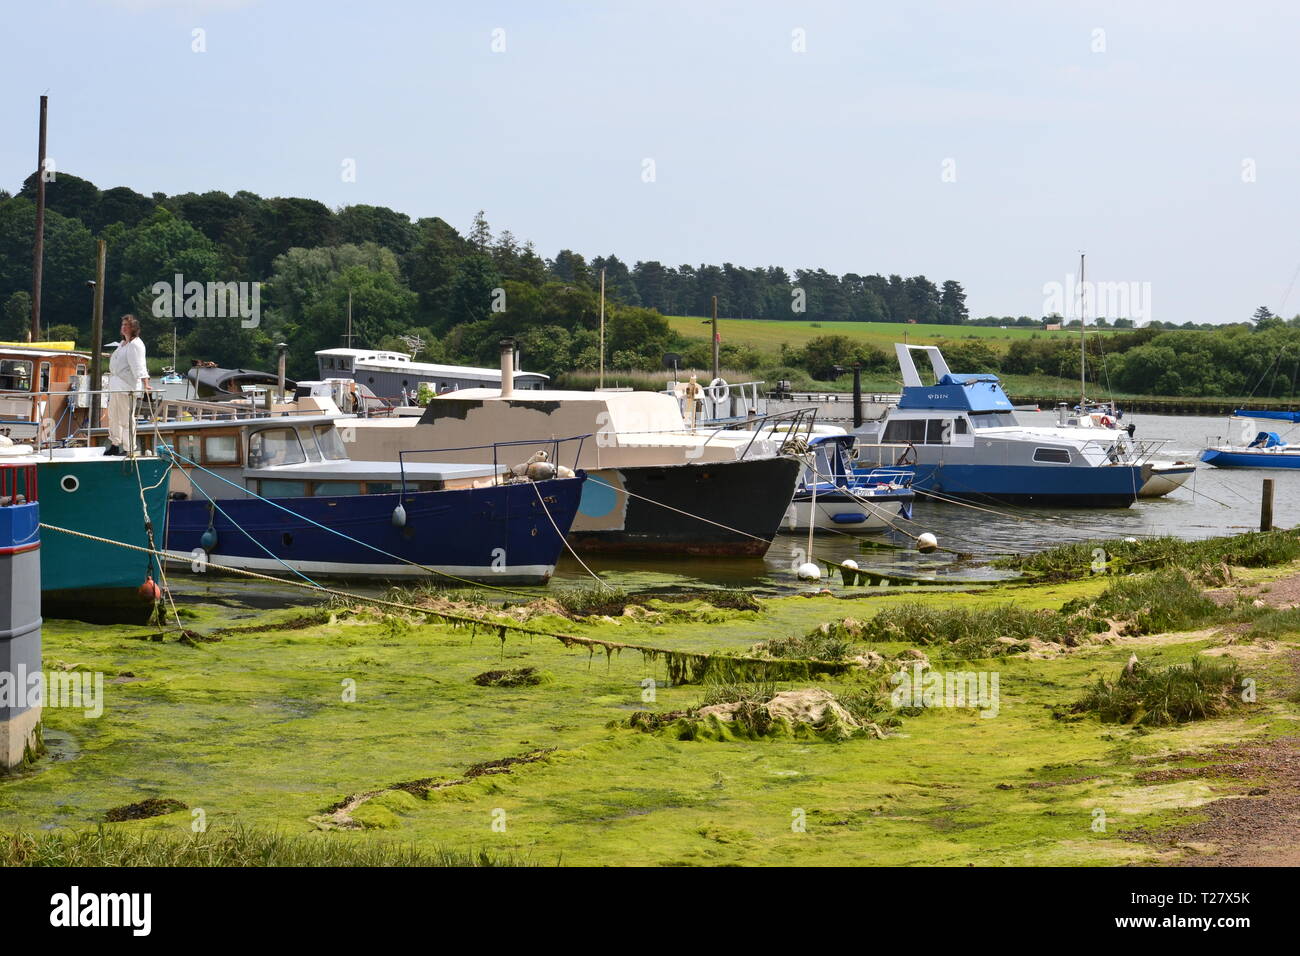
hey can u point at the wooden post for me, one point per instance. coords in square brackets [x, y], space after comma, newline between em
[1266, 507]
[717, 370]
[97, 337]
[38, 247]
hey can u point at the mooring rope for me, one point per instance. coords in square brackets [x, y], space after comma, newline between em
[812, 665]
[565, 539]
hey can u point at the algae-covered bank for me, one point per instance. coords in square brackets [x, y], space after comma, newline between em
[1086, 719]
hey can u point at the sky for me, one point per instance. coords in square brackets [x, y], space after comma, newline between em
[985, 142]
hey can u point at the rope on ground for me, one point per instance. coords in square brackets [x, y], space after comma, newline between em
[683, 666]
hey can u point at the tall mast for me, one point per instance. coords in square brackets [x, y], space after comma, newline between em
[38, 247]
[602, 327]
[349, 335]
[1083, 339]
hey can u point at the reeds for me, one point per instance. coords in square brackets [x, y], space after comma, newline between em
[1157, 696]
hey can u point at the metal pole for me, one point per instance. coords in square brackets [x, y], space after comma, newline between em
[38, 247]
[97, 335]
[602, 328]
[716, 367]
[1266, 507]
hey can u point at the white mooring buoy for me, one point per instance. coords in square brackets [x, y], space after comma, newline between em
[849, 563]
[927, 543]
[808, 572]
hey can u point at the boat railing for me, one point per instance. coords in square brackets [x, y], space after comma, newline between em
[541, 444]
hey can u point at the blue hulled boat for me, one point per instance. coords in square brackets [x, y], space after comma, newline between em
[279, 493]
[961, 437]
[1266, 450]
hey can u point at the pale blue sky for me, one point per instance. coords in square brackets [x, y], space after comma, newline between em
[827, 158]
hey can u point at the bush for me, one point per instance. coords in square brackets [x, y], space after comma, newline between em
[1158, 696]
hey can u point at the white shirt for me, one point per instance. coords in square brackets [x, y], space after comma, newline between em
[126, 367]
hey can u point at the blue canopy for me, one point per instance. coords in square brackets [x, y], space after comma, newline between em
[1276, 416]
[1266, 440]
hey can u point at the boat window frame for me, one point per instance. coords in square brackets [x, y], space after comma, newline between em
[329, 428]
[302, 454]
[1053, 461]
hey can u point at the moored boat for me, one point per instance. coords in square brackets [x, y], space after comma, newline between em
[964, 441]
[1266, 450]
[655, 484]
[276, 493]
[830, 496]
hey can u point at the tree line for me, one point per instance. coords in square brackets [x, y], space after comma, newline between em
[418, 284]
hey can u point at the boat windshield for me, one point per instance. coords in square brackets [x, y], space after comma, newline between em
[331, 446]
[274, 446]
[993, 419]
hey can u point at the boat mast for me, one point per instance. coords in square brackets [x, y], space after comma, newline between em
[349, 335]
[1083, 340]
[602, 328]
[38, 246]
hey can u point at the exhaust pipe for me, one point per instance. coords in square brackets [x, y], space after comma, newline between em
[507, 367]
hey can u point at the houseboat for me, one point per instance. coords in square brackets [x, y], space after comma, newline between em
[394, 377]
[655, 484]
[279, 492]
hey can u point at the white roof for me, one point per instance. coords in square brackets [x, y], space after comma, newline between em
[402, 361]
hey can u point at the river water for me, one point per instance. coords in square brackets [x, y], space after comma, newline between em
[1214, 501]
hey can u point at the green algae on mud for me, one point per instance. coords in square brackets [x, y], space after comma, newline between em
[267, 728]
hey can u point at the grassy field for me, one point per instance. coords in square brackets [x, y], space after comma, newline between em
[768, 335]
[256, 731]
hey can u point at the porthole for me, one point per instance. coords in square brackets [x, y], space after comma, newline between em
[69, 483]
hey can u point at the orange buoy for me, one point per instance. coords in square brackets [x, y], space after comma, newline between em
[150, 590]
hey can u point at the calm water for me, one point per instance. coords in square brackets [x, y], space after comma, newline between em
[1214, 501]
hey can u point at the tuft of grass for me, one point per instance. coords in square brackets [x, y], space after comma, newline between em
[1208, 559]
[828, 642]
[1158, 696]
[591, 599]
[238, 847]
[1153, 603]
[972, 633]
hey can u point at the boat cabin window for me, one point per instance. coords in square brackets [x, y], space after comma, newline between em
[274, 446]
[281, 488]
[221, 449]
[992, 419]
[331, 446]
[45, 377]
[1057, 456]
[331, 489]
[187, 447]
[924, 431]
[15, 376]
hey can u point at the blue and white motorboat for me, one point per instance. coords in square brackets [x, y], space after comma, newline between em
[831, 496]
[961, 437]
[279, 492]
[1266, 450]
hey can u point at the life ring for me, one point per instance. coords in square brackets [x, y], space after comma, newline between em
[902, 458]
[1106, 422]
[719, 391]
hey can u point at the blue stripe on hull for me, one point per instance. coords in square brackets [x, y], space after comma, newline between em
[1246, 459]
[470, 530]
[1034, 484]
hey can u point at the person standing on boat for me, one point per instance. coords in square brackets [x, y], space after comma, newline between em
[127, 375]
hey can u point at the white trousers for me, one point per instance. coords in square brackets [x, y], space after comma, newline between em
[121, 420]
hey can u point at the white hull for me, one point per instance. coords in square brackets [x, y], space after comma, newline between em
[855, 518]
[1164, 479]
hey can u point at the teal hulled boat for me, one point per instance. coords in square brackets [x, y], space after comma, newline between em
[83, 490]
